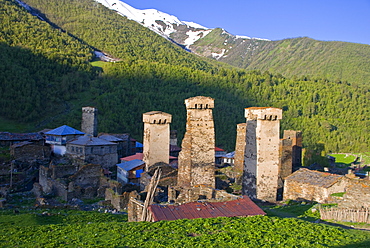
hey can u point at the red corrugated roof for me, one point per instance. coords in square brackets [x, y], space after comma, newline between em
[193, 210]
[217, 149]
[132, 157]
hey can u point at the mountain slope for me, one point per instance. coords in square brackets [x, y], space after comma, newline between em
[339, 61]
[155, 74]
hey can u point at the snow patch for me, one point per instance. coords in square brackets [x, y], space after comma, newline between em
[193, 36]
[217, 56]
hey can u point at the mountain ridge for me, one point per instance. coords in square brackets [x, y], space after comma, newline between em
[255, 53]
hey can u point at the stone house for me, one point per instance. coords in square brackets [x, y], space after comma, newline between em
[89, 149]
[310, 185]
[60, 136]
[26, 151]
[123, 142]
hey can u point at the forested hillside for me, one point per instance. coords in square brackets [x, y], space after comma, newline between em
[47, 74]
[337, 61]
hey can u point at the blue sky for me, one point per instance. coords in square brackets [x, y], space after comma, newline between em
[328, 20]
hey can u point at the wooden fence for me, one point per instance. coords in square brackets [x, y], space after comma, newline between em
[361, 215]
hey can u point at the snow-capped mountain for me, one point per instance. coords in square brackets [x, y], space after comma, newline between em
[166, 25]
[181, 32]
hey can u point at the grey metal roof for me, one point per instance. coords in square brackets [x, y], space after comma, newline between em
[89, 140]
[318, 178]
[110, 138]
[20, 136]
[127, 166]
[64, 130]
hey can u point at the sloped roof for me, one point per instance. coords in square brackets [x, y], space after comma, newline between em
[89, 140]
[20, 136]
[312, 177]
[127, 166]
[110, 138]
[229, 155]
[132, 157]
[64, 130]
[193, 210]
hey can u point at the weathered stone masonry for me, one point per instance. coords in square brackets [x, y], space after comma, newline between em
[197, 157]
[156, 137]
[261, 166]
[89, 123]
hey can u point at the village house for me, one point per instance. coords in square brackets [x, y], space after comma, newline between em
[123, 141]
[60, 136]
[88, 149]
[130, 171]
[310, 185]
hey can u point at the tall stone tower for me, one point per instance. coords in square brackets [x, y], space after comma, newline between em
[241, 130]
[89, 123]
[197, 157]
[156, 137]
[261, 166]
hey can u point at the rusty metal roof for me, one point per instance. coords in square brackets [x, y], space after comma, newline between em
[193, 210]
[312, 177]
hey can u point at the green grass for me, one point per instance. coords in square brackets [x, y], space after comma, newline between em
[62, 228]
[343, 158]
[98, 63]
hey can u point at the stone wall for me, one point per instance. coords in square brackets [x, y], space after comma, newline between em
[118, 201]
[26, 151]
[241, 130]
[357, 194]
[198, 193]
[294, 190]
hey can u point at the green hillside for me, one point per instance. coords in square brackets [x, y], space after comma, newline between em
[334, 60]
[47, 79]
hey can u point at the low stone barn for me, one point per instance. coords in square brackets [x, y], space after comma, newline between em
[310, 185]
[241, 207]
[26, 151]
[357, 194]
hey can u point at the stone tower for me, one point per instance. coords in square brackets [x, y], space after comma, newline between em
[197, 157]
[296, 137]
[241, 129]
[89, 123]
[156, 137]
[261, 166]
[173, 137]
